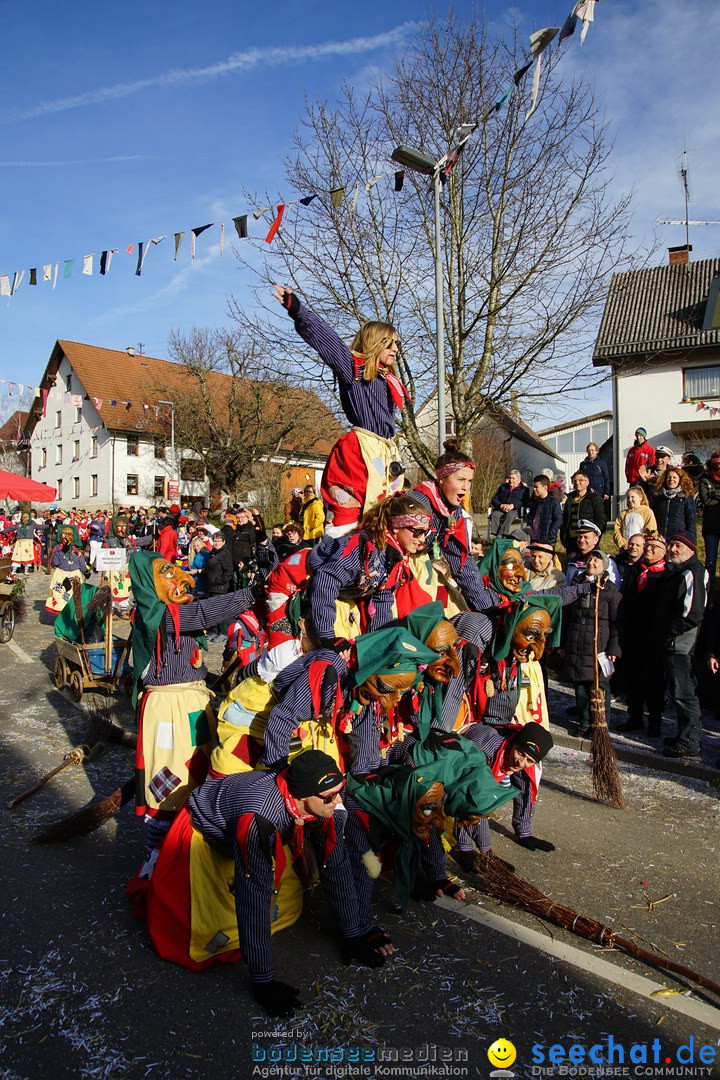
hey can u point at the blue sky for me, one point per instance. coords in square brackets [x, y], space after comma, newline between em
[123, 122]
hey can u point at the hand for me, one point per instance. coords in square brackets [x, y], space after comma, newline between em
[612, 659]
[533, 844]
[287, 298]
[714, 665]
[277, 998]
[360, 949]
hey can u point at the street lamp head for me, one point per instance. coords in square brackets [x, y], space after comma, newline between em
[414, 159]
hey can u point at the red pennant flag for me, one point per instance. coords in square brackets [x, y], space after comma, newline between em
[276, 224]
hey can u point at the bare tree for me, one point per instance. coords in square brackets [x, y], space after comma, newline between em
[231, 411]
[530, 230]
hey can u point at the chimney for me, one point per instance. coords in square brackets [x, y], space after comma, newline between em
[679, 256]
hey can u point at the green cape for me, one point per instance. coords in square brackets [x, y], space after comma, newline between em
[502, 637]
[392, 794]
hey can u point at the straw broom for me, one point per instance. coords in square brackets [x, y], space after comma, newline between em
[95, 814]
[500, 882]
[605, 776]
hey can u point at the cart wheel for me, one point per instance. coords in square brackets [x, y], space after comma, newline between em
[7, 623]
[60, 672]
[76, 685]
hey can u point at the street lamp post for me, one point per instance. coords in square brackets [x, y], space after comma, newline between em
[428, 166]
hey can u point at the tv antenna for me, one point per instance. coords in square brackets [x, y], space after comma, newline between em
[686, 221]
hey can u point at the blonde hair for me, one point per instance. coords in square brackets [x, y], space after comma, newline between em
[641, 493]
[369, 342]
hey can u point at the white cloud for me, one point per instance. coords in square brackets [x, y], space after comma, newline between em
[247, 60]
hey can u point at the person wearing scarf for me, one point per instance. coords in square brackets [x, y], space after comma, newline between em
[642, 659]
[176, 727]
[450, 533]
[674, 502]
[362, 467]
[579, 635]
[227, 876]
[369, 566]
[67, 561]
[514, 755]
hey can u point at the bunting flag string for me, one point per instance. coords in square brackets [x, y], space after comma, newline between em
[582, 11]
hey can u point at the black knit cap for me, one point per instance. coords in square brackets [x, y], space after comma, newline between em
[313, 773]
[534, 740]
[684, 538]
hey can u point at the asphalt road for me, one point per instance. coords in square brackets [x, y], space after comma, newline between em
[84, 994]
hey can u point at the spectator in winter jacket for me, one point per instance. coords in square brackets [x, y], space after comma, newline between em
[642, 659]
[313, 515]
[167, 540]
[544, 516]
[674, 502]
[542, 574]
[292, 541]
[693, 467]
[636, 518]
[596, 471]
[579, 636]
[508, 504]
[640, 455]
[681, 607]
[293, 506]
[709, 503]
[582, 504]
[219, 567]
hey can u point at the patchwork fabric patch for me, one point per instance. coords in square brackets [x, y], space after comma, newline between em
[199, 727]
[217, 942]
[164, 783]
[164, 735]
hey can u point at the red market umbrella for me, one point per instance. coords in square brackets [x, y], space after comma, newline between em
[22, 489]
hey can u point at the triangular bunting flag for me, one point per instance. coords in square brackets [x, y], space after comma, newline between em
[194, 233]
[276, 224]
[33, 276]
[87, 265]
[399, 179]
[336, 196]
[240, 224]
[179, 236]
[307, 199]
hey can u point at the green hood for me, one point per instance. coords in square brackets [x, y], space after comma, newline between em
[502, 637]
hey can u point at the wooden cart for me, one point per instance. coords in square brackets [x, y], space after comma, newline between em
[73, 668]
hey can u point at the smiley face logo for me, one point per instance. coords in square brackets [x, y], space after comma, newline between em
[502, 1054]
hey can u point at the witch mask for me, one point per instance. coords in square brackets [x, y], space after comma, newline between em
[531, 635]
[429, 811]
[172, 584]
[443, 640]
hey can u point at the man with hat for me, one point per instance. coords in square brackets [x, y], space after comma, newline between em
[540, 557]
[260, 821]
[641, 455]
[514, 755]
[681, 607]
[588, 539]
[649, 474]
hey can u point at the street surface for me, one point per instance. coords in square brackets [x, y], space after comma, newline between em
[84, 994]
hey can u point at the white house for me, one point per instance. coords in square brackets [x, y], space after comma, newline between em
[518, 445]
[572, 437]
[101, 432]
[660, 335]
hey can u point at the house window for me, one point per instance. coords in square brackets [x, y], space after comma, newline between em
[565, 443]
[159, 492]
[701, 382]
[58, 485]
[93, 446]
[450, 426]
[43, 458]
[93, 484]
[58, 454]
[132, 484]
[601, 434]
[132, 448]
[58, 418]
[78, 413]
[159, 449]
[76, 449]
[192, 469]
[582, 438]
[76, 487]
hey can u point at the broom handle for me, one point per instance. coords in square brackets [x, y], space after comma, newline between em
[596, 638]
[74, 757]
[659, 961]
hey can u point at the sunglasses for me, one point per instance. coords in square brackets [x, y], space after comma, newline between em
[329, 799]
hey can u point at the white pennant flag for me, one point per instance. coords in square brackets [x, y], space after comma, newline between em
[87, 265]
